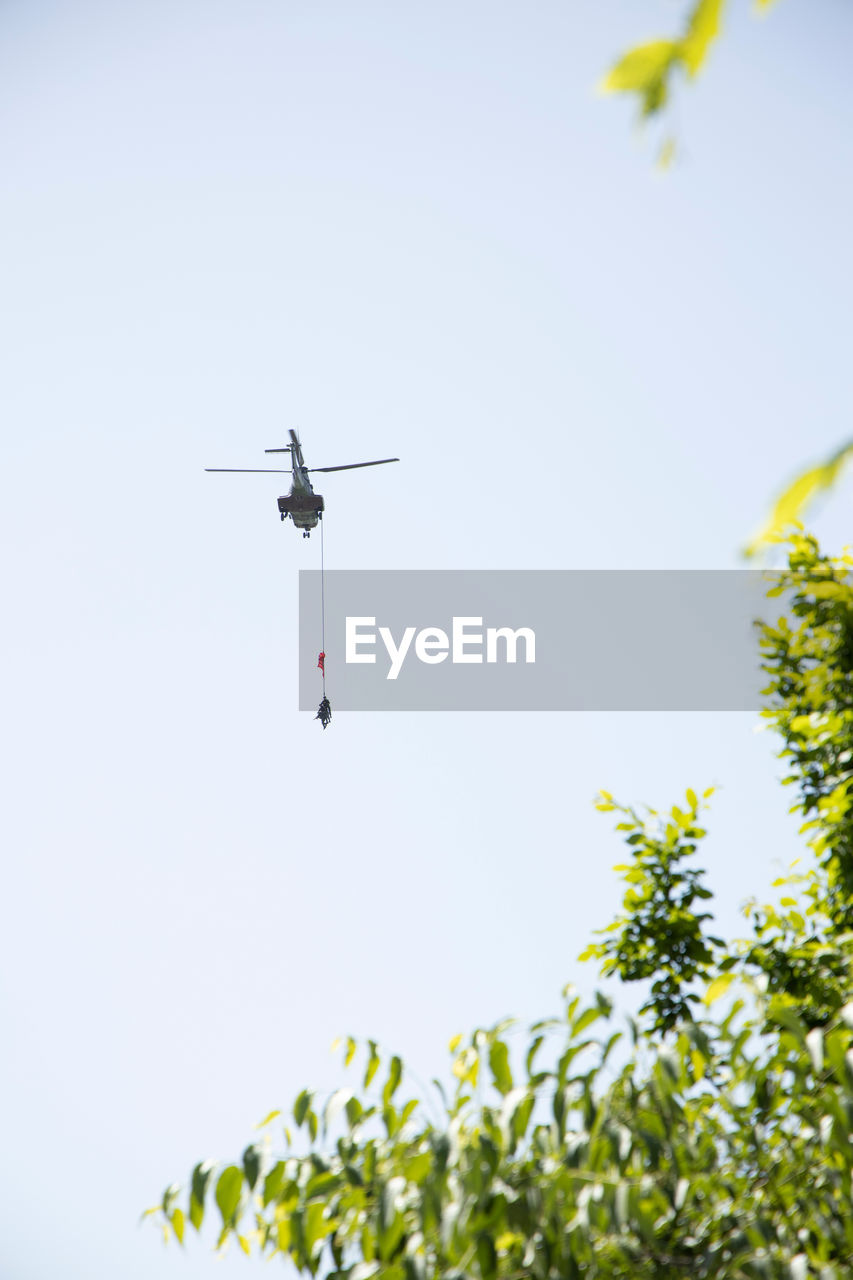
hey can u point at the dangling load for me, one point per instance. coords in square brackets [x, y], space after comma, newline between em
[324, 713]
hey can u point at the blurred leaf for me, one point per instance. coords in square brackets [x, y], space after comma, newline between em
[268, 1118]
[372, 1063]
[201, 1175]
[585, 1020]
[284, 1234]
[646, 69]
[499, 1064]
[251, 1165]
[228, 1190]
[354, 1111]
[487, 1261]
[395, 1072]
[273, 1182]
[790, 508]
[169, 1196]
[641, 67]
[178, 1225]
[703, 27]
[321, 1184]
[302, 1106]
[718, 987]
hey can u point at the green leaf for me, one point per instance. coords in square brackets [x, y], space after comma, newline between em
[354, 1111]
[408, 1111]
[585, 1020]
[521, 1117]
[268, 1119]
[487, 1259]
[718, 987]
[643, 71]
[251, 1165]
[535, 1046]
[284, 1233]
[229, 1188]
[785, 1017]
[169, 1197]
[499, 1064]
[321, 1184]
[273, 1182]
[395, 1072]
[790, 507]
[302, 1106]
[702, 29]
[201, 1175]
[372, 1064]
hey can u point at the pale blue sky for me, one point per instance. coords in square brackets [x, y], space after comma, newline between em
[407, 229]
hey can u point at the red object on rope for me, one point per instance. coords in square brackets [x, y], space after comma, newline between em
[320, 663]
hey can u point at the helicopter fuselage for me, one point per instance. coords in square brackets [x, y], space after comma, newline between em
[305, 507]
[302, 504]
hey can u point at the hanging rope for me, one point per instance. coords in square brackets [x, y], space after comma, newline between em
[324, 713]
[323, 604]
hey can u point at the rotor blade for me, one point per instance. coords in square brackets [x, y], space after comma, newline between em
[255, 471]
[350, 466]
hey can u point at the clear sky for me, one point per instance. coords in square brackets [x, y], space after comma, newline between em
[406, 229]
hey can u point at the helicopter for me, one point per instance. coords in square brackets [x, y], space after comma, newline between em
[302, 504]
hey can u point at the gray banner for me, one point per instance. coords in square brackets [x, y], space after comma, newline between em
[537, 640]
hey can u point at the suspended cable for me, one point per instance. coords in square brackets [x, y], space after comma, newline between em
[324, 712]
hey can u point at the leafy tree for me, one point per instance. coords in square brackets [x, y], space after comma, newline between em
[660, 936]
[681, 1149]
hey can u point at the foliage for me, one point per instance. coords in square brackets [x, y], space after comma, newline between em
[811, 690]
[660, 936]
[648, 70]
[792, 504]
[680, 1150]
